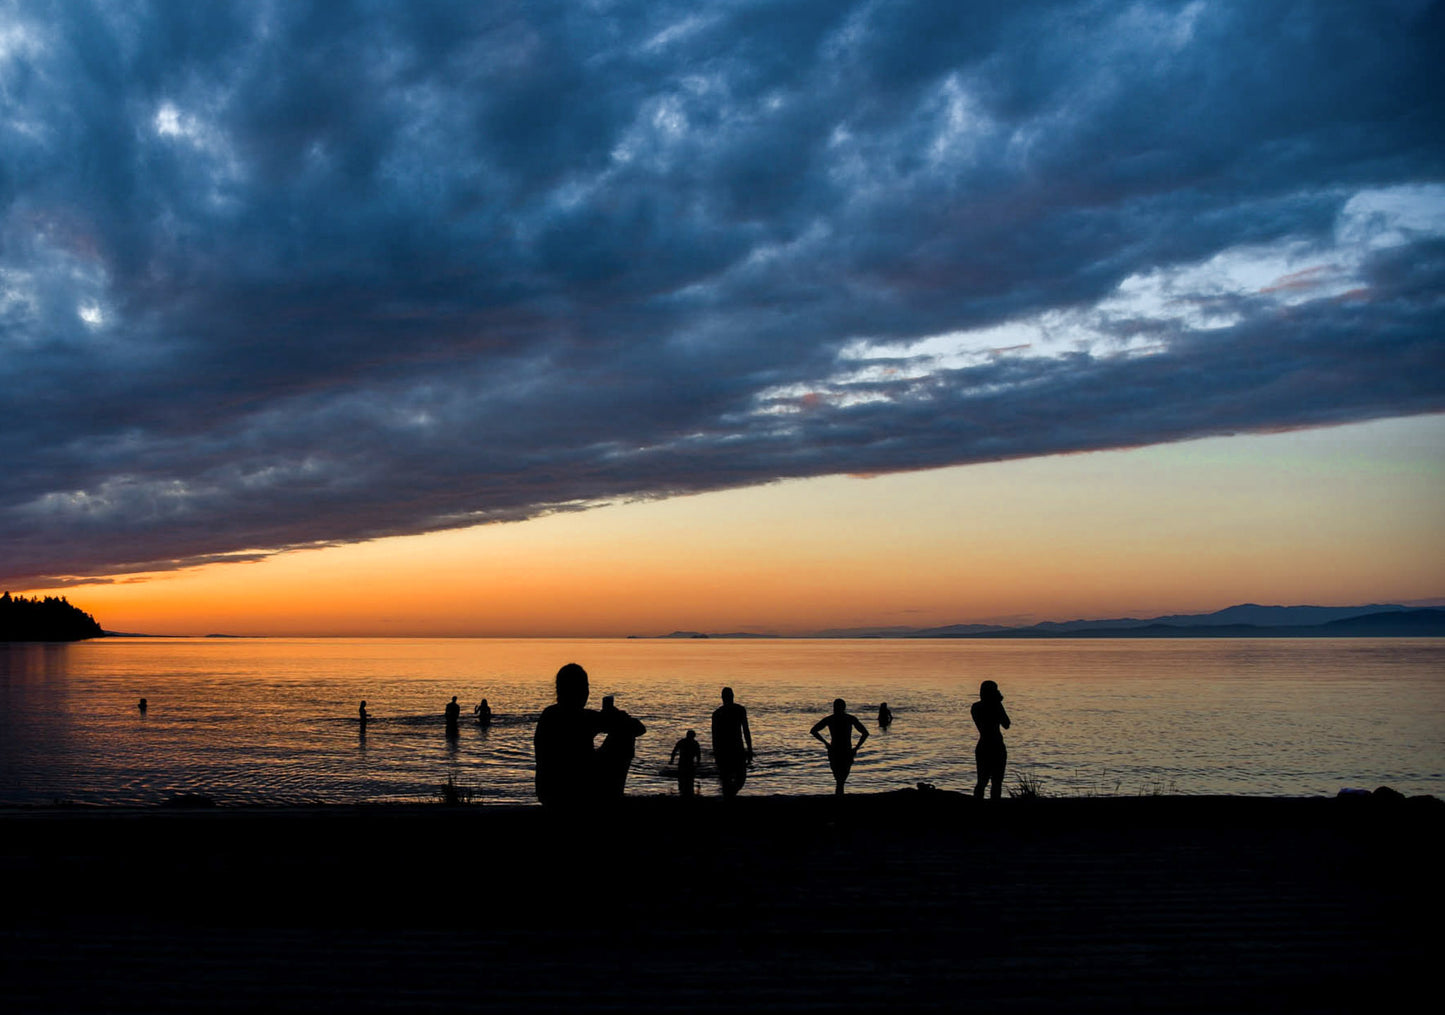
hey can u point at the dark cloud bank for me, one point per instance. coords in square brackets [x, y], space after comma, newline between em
[279, 275]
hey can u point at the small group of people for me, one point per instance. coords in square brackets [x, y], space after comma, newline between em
[482, 712]
[572, 770]
[452, 714]
[732, 749]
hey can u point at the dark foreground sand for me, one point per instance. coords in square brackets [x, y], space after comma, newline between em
[906, 901]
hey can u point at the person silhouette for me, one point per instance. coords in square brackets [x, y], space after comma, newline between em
[454, 714]
[483, 712]
[990, 754]
[687, 752]
[841, 749]
[732, 743]
[361, 715]
[619, 747]
[885, 716]
[142, 706]
[566, 764]
[562, 742]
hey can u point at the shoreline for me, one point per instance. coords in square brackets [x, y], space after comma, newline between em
[906, 900]
[200, 804]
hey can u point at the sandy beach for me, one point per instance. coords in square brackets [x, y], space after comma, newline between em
[901, 901]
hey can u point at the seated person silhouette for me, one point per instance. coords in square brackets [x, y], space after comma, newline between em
[885, 716]
[687, 752]
[732, 743]
[483, 712]
[841, 749]
[619, 747]
[990, 754]
[567, 773]
[454, 714]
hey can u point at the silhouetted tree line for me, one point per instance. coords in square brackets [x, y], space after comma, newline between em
[48, 619]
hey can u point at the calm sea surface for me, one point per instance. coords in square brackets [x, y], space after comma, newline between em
[273, 721]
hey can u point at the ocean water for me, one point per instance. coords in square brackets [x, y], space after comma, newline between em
[273, 721]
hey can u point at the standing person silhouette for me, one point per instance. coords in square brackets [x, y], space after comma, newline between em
[841, 749]
[483, 712]
[991, 754]
[454, 714]
[687, 752]
[361, 715]
[562, 742]
[885, 716]
[618, 748]
[732, 743]
[568, 773]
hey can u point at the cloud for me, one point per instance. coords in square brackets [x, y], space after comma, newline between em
[287, 275]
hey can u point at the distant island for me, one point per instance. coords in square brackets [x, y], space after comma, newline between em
[48, 619]
[699, 634]
[1401, 623]
[1247, 620]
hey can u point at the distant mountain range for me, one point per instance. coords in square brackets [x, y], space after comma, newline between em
[1247, 620]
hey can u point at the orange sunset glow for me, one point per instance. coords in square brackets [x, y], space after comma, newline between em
[1334, 516]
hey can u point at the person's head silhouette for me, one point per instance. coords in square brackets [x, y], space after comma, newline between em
[692, 734]
[839, 705]
[572, 687]
[988, 691]
[727, 695]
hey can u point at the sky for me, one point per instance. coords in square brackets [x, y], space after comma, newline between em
[609, 318]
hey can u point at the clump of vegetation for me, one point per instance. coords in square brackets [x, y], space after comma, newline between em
[48, 619]
[1159, 787]
[1099, 787]
[452, 795]
[1027, 786]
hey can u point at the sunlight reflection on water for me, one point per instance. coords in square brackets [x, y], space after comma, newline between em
[273, 720]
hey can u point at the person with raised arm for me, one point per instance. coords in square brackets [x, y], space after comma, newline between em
[569, 772]
[618, 748]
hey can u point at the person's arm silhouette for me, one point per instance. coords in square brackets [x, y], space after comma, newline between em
[817, 729]
[863, 733]
[747, 736]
